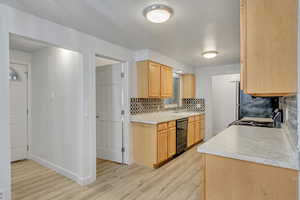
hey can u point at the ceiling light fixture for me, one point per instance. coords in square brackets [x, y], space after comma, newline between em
[158, 13]
[179, 72]
[210, 54]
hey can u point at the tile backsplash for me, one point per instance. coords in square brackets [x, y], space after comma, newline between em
[289, 106]
[145, 105]
[148, 105]
[197, 105]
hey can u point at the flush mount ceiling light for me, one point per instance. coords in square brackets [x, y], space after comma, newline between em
[210, 54]
[158, 13]
[179, 72]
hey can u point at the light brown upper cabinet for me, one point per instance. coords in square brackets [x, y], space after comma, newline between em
[166, 81]
[269, 47]
[188, 86]
[154, 80]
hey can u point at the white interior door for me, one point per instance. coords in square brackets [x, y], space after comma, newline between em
[109, 104]
[18, 113]
[224, 101]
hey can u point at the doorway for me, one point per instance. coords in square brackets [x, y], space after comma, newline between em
[225, 97]
[18, 84]
[110, 110]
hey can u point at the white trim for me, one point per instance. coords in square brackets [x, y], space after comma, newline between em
[92, 112]
[29, 99]
[58, 169]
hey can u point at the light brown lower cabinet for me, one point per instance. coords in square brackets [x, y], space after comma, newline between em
[162, 147]
[230, 179]
[191, 134]
[196, 129]
[171, 142]
[153, 144]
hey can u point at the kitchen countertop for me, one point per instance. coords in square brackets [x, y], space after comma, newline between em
[159, 117]
[269, 146]
[257, 119]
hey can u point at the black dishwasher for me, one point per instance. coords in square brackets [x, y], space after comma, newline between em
[181, 135]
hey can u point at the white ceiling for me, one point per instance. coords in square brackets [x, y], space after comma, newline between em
[196, 26]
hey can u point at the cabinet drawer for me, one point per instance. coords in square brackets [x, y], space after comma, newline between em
[197, 117]
[162, 126]
[172, 124]
[191, 119]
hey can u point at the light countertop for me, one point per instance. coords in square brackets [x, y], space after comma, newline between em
[269, 146]
[257, 119]
[159, 117]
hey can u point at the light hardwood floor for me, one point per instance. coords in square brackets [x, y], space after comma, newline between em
[177, 180]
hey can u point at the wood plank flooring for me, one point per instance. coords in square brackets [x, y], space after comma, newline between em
[177, 180]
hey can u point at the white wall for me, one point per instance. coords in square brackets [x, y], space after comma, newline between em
[56, 111]
[204, 88]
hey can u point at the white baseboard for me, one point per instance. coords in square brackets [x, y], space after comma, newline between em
[86, 181]
[61, 170]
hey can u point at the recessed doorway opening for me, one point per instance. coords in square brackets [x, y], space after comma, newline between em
[110, 110]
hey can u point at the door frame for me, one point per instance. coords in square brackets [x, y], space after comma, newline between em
[121, 68]
[92, 112]
[29, 101]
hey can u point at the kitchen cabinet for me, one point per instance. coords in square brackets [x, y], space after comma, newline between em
[232, 179]
[154, 83]
[154, 80]
[188, 86]
[196, 129]
[191, 132]
[166, 75]
[269, 47]
[198, 133]
[171, 142]
[154, 144]
[162, 146]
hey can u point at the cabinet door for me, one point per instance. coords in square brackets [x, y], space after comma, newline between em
[270, 47]
[191, 134]
[162, 146]
[197, 131]
[171, 142]
[166, 82]
[154, 80]
[243, 41]
[188, 86]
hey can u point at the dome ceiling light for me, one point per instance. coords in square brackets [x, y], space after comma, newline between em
[158, 13]
[210, 54]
